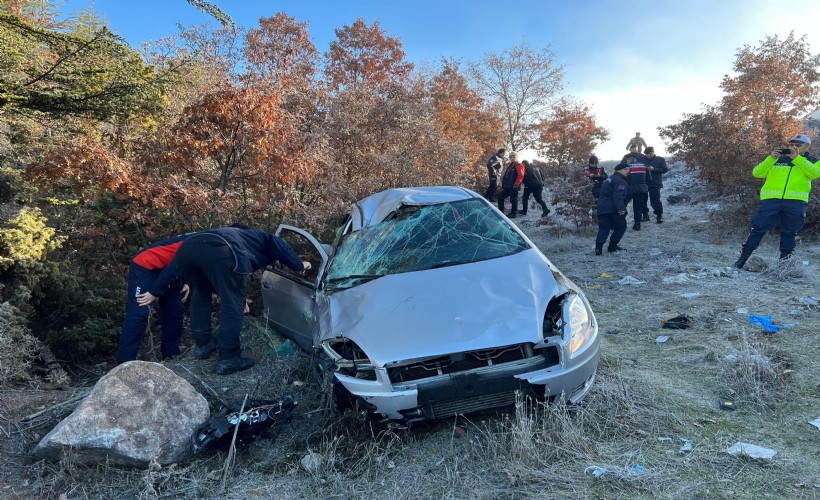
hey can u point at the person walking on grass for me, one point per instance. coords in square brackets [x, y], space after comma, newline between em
[533, 184]
[612, 210]
[788, 171]
[656, 165]
[510, 183]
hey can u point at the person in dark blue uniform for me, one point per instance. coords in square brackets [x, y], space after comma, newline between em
[656, 165]
[219, 261]
[612, 210]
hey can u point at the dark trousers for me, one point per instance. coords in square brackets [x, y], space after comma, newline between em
[610, 222]
[170, 309]
[206, 262]
[490, 193]
[512, 194]
[790, 214]
[638, 205]
[536, 193]
[655, 201]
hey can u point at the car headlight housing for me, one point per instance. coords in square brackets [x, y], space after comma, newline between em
[346, 354]
[580, 324]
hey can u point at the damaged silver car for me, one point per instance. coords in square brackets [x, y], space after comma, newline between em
[431, 303]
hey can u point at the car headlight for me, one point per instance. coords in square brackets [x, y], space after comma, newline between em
[581, 325]
[346, 354]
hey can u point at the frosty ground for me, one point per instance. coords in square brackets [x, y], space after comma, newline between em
[645, 393]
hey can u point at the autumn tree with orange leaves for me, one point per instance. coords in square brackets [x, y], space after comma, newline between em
[569, 135]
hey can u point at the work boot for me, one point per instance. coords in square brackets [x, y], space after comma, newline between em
[636, 226]
[645, 217]
[205, 351]
[228, 366]
[659, 218]
[785, 254]
[744, 256]
[523, 212]
[511, 215]
[615, 248]
[599, 249]
[546, 212]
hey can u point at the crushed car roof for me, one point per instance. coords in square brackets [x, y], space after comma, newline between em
[375, 208]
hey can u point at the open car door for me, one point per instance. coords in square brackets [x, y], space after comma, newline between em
[289, 297]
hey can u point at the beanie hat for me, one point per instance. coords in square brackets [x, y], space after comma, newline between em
[801, 138]
[621, 166]
[649, 149]
[593, 159]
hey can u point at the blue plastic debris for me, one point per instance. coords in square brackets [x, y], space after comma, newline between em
[766, 323]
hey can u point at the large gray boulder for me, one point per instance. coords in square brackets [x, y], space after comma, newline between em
[137, 413]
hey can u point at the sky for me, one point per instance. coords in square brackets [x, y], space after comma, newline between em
[639, 64]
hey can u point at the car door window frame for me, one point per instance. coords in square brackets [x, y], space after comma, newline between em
[321, 267]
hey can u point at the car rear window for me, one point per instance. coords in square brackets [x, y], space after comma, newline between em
[425, 237]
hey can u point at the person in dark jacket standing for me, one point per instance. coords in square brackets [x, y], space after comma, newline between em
[153, 275]
[533, 184]
[511, 181]
[657, 167]
[596, 175]
[494, 165]
[638, 186]
[612, 210]
[219, 261]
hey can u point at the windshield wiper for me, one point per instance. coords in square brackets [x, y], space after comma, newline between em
[355, 277]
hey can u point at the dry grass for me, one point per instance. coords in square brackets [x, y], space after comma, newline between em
[644, 391]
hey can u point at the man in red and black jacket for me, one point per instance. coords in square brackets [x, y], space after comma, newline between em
[510, 183]
[154, 274]
[638, 191]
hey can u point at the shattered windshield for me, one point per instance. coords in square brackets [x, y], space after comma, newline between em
[423, 237]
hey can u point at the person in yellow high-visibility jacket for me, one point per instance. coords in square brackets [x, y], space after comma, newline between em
[783, 197]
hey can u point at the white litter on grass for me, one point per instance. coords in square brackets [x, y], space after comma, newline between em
[731, 358]
[751, 450]
[629, 280]
[743, 310]
[816, 422]
[690, 295]
[662, 339]
[678, 278]
[655, 252]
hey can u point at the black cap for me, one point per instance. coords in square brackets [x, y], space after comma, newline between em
[593, 159]
[621, 166]
[649, 149]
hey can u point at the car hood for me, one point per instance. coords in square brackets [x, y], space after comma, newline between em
[435, 312]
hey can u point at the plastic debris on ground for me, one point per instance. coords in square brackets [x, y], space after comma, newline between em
[686, 445]
[630, 472]
[629, 280]
[677, 323]
[662, 339]
[613, 331]
[690, 295]
[743, 310]
[766, 323]
[727, 404]
[284, 350]
[678, 278]
[604, 275]
[810, 301]
[741, 449]
[595, 471]
[816, 422]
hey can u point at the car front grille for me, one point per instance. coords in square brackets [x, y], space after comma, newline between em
[443, 409]
[460, 362]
